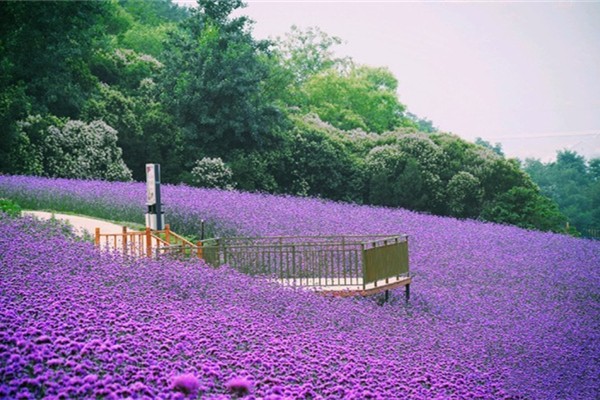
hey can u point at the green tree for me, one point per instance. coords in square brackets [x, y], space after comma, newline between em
[347, 95]
[404, 174]
[496, 148]
[362, 98]
[44, 53]
[213, 83]
[150, 23]
[305, 53]
[47, 46]
[254, 171]
[526, 208]
[465, 195]
[572, 183]
[312, 162]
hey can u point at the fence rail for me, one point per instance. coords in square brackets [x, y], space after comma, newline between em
[326, 263]
[344, 265]
[593, 233]
[146, 243]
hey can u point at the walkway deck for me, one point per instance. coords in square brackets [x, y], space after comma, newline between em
[341, 287]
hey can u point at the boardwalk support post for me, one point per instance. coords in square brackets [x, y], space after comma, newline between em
[97, 237]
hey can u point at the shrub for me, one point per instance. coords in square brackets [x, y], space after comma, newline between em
[10, 207]
[212, 173]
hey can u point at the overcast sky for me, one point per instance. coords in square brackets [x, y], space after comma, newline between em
[523, 74]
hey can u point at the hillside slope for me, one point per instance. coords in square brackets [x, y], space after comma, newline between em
[522, 304]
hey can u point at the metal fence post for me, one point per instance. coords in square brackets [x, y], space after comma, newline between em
[294, 263]
[364, 265]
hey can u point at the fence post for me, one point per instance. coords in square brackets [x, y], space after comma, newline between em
[168, 233]
[124, 241]
[364, 265]
[97, 237]
[294, 264]
[199, 250]
[148, 243]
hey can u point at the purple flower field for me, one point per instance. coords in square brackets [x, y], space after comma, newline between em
[496, 311]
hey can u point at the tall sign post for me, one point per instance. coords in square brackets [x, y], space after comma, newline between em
[155, 218]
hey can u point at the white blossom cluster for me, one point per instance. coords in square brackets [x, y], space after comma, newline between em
[87, 151]
[212, 173]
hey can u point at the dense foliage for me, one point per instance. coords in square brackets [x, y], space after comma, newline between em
[496, 311]
[10, 208]
[574, 184]
[176, 85]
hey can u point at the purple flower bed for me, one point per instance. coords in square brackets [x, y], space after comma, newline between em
[78, 323]
[496, 311]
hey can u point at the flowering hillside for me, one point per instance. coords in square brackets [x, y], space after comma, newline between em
[496, 311]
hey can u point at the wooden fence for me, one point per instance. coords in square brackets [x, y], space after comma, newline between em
[146, 243]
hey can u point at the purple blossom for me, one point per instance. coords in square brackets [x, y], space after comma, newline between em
[239, 385]
[186, 383]
[496, 311]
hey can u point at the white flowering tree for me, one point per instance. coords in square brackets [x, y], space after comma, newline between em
[55, 147]
[85, 151]
[212, 173]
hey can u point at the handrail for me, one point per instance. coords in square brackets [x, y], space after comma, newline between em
[356, 263]
[182, 239]
[336, 237]
[268, 241]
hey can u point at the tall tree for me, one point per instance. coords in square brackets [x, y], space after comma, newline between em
[59, 38]
[44, 52]
[573, 183]
[363, 98]
[213, 82]
[308, 52]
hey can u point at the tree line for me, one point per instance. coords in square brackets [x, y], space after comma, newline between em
[574, 184]
[98, 89]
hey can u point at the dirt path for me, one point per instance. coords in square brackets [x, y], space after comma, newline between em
[80, 223]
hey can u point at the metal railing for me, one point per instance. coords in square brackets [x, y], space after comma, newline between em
[592, 233]
[319, 262]
[359, 263]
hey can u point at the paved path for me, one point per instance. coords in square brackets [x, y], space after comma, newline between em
[80, 223]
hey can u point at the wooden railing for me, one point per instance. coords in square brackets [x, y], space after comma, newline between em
[146, 243]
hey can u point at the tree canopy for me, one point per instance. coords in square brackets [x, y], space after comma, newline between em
[574, 184]
[98, 89]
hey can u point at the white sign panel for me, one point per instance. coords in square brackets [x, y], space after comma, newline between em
[150, 185]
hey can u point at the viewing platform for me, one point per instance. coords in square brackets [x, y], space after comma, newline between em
[348, 265]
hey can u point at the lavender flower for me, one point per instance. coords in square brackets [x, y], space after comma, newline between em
[496, 312]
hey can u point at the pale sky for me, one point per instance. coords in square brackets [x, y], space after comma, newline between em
[526, 75]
